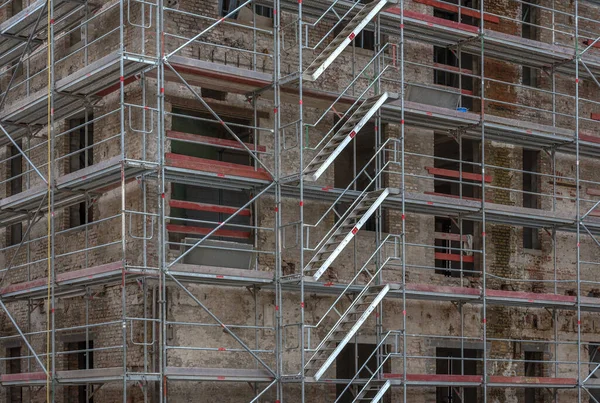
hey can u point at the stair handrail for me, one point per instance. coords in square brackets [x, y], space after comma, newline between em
[364, 268]
[330, 107]
[345, 90]
[342, 317]
[313, 24]
[357, 298]
[376, 372]
[346, 191]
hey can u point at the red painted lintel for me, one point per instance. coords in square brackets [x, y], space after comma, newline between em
[433, 21]
[449, 173]
[217, 167]
[184, 229]
[454, 257]
[212, 208]
[196, 138]
[463, 11]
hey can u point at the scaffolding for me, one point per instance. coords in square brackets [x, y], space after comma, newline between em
[308, 200]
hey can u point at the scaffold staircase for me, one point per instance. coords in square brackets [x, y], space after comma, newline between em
[345, 37]
[342, 137]
[375, 387]
[347, 227]
[346, 327]
[373, 391]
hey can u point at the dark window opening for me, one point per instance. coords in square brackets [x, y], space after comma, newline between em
[16, 234]
[227, 6]
[530, 76]
[445, 56]
[365, 39]
[80, 214]
[530, 20]
[531, 196]
[449, 249]
[447, 156]
[263, 11]
[214, 94]
[15, 187]
[448, 57]
[349, 361]
[16, 6]
[11, 71]
[80, 359]
[455, 247]
[530, 30]
[346, 168]
[534, 367]
[81, 142]
[208, 195]
[14, 394]
[16, 169]
[75, 36]
[453, 16]
[81, 155]
[450, 361]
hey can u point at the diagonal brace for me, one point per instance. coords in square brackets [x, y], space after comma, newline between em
[257, 397]
[24, 237]
[590, 210]
[589, 72]
[588, 392]
[14, 143]
[591, 373]
[216, 116]
[31, 350]
[223, 325]
[221, 224]
[591, 45]
[590, 234]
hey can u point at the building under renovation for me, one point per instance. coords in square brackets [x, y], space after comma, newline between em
[300, 201]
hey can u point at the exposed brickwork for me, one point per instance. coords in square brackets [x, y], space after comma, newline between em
[123, 236]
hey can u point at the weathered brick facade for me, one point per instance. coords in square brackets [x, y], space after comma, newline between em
[135, 312]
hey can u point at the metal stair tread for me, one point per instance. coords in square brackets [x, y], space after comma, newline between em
[356, 24]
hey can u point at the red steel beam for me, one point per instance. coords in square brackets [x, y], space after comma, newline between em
[222, 169]
[463, 11]
[199, 139]
[184, 229]
[589, 42]
[449, 173]
[211, 208]
[433, 21]
[454, 257]
[24, 376]
[593, 191]
[452, 68]
[587, 137]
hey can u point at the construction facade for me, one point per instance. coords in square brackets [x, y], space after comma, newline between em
[300, 201]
